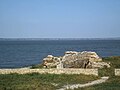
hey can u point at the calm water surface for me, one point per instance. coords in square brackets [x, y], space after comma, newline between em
[24, 53]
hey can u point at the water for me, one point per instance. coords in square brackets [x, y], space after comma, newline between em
[24, 53]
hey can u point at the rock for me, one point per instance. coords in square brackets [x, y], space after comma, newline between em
[50, 61]
[91, 56]
[71, 52]
[50, 56]
[100, 65]
[60, 65]
[80, 59]
[77, 64]
[73, 59]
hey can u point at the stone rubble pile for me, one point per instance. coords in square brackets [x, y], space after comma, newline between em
[73, 59]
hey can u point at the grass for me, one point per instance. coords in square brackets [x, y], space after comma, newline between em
[114, 60]
[36, 81]
[114, 63]
[113, 83]
[36, 66]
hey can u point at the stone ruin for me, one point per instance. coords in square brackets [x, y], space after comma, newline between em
[73, 59]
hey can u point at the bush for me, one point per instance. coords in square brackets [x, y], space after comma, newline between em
[114, 60]
[106, 72]
[36, 66]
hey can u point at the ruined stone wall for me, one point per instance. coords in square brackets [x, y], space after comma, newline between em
[117, 72]
[51, 71]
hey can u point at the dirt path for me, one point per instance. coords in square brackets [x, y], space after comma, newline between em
[73, 86]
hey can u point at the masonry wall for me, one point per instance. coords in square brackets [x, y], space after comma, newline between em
[51, 71]
[117, 72]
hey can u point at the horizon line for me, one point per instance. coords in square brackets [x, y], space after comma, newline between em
[109, 38]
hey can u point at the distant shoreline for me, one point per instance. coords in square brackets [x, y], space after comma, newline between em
[36, 39]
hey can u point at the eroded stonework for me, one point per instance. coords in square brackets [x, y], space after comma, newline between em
[73, 59]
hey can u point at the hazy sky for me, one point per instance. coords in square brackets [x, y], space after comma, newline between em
[59, 18]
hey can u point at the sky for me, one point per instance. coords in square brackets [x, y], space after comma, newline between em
[59, 18]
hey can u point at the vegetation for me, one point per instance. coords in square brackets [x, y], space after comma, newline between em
[114, 61]
[36, 66]
[37, 81]
[39, 66]
[113, 83]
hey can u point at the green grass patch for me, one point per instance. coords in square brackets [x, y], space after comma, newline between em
[114, 63]
[36, 66]
[106, 72]
[111, 84]
[114, 60]
[36, 81]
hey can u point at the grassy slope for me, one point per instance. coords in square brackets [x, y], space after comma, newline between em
[114, 60]
[112, 84]
[40, 81]
[114, 81]
[43, 81]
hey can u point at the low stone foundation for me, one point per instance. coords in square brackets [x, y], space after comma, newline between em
[117, 72]
[51, 71]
